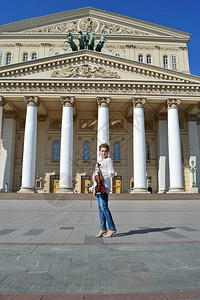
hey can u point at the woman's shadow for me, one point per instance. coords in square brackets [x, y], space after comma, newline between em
[143, 231]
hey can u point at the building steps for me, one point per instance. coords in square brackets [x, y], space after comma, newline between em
[123, 196]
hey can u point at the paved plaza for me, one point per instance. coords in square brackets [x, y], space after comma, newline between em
[48, 250]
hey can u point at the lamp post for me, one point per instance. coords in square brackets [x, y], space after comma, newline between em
[192, 169]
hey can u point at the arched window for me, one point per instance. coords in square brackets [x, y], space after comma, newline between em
[1, 58]
[116, 151]
[25, 57]
[140, 58]
[86, 150]
[8, 58]
[56, 150]
[34, 55]
[148, 59]
[165, 61]
[174, 64]
[148, 156]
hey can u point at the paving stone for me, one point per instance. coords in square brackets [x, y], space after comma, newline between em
[90, 239]
[117, 263]
[173, 281]
[33, 232]
[79, 264]
[22, 283]
[175, 235]
[66, 228]
[187, 228]
[6, 231]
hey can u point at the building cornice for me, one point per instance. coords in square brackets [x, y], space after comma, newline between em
[99, 87]
[122, 37]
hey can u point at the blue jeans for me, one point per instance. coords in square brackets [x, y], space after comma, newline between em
[104, 212]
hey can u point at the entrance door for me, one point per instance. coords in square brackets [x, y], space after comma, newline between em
[54, 183]
[85, 181]
[117, 184]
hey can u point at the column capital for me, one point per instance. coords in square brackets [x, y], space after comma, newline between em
[161, 116]
[103, 101]
[2, 101]
[198, 118]
[67, 101]
[192, 117]
[138, 102]
[173, 103]
[32, 100]
[10, 114]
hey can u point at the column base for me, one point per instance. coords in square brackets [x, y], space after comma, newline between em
[176, 190]
[194, 190]
[161, 192]
[26, 190]
[68, 190]
[139, 191]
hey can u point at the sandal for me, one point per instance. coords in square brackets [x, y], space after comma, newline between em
[101, 233]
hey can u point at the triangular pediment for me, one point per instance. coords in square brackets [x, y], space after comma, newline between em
[89, 65]
[90, 19]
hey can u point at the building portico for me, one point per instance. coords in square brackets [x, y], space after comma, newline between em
[84, 118]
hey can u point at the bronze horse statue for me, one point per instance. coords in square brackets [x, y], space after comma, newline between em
[86, 41]
[71, 42]
[91, 41]
[101, 42]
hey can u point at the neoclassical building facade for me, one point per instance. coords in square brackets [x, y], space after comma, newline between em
[58, 105]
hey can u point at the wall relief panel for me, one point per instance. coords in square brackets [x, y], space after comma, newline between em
[55, 123]
[87, 124]
[88, 24]
[116, 125]
[85, 71]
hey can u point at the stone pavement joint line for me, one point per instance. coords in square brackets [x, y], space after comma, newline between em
[100, 242]
[179, 295]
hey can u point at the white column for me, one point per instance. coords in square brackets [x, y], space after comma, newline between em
[66, 150]
[2, 103]
[7, 152]
[103, 122]
[194, 151]
[139, 147]
[174, 145]
[163, 161]
[29, 153]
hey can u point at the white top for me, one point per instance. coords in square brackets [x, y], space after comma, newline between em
[108, 171]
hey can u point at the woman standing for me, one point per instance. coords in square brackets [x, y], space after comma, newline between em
[107, 170]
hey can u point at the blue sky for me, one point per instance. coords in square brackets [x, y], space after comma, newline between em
[182, 15]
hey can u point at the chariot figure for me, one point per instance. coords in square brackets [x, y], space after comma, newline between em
[81, 40]
[86, 40]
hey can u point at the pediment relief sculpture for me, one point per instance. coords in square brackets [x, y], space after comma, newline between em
[84, 71]
[88, 24]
